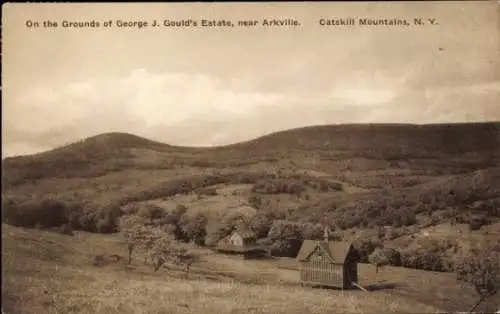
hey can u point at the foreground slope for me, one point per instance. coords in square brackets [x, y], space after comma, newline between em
[52, 273]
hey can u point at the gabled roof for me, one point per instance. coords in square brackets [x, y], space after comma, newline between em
[245, 233]
[336, 250]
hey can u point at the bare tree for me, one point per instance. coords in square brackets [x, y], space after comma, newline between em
[183, 257]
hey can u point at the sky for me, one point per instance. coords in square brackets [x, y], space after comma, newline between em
[215, 86]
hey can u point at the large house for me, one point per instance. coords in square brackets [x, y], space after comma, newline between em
[328, 263]
[242, 243]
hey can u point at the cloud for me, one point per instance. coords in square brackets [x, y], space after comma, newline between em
[195, 109]
[138, 103]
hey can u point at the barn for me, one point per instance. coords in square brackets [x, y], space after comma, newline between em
[328, 263]
[242, 243]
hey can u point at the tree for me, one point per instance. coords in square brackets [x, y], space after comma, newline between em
[179, 211]
[194, 228]
[216, 230]
[223, 225]
[133, 238]
[480, 268]
[161, 251]
[149, 238]
[430, 254]
[286, 238]
[134, 233]
[45, 213]
[312, 231]
[261, 223]
[166, 249]
[151, 212]
[366, 246]
[379, 258]
[183, 257]
[255, 201]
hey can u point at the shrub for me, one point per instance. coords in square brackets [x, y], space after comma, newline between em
[477, 223]
[183, 257]
[160, 251]
[216, 231]
[194, 228]
[393, 233]
[165, 249]
[45, 213]
[104, 259]
[378, 258]
[285, 238]
[277, 186]
[366, 246]
[74, 211]
[151, 212]
[312, 231]
[480, 267]
[261, 223]
[66, 229]
[255, 201]
[137, 236]
[405, 219]
[324, 185]
[430, 254]
[206, 191]
[10, 211]
[105, 225]
[385, 256]
[179, 210]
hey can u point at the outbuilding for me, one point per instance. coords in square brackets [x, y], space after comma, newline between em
[328, 263]
[242, 243]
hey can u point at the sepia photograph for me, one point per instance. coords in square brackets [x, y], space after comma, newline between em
[260, 158]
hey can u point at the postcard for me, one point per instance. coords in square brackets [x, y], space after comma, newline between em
[274, 157]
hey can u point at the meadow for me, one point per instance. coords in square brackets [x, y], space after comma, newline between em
[46, 272]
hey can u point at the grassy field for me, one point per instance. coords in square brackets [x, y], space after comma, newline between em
[46, 272]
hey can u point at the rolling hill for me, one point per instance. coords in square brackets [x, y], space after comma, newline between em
[408, 187]
[460, 147]
[334, 168]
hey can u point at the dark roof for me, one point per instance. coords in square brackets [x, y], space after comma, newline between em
[240, 249]
[336, 250]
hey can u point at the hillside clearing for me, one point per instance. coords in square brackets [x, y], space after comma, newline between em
[51, 273]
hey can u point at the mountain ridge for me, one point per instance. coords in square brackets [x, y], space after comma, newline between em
[376, 146]
[121, 139]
